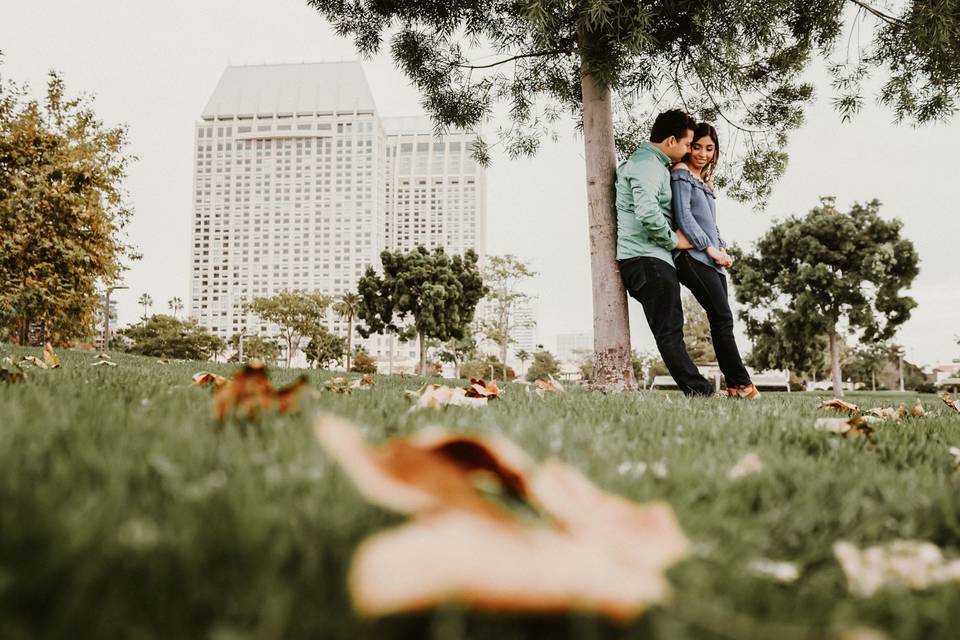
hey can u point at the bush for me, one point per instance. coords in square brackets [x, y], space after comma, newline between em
[543, 365]
[926, 387]
[481, 369]
[363, 363]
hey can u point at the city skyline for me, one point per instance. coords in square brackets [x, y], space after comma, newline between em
[154, 72]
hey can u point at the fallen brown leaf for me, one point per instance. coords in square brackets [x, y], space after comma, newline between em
[33, 361]
[950, 402]
[201, 378]
[592, 551]
[50, 357]
[912, 563]
[478, 388]
[853, 427]
[548, 386]
[248, 393]
[839, 405]
[918, 411]
[434, 396]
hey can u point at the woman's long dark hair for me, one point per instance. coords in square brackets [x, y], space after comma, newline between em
[704, 130]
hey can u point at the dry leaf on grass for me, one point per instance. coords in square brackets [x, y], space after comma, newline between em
[782, 572]
[102, 356]
[912, 563]
[98, 363]
[847, 427]
[747, 465]
[201, 378]
[593, 551]
[32, 361]
[950, 402]
[955, 452]
[345, 385]
[13, 375]
[50, 357]
[478, 388]
[918, 411]
[839, 405]
[885, 413]
[249, 392]
[434, 396]
[548, 386]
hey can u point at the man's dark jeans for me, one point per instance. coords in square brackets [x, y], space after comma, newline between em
[709, 287]
[654, 284]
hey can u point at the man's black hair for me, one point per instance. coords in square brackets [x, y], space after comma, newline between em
[672, 123]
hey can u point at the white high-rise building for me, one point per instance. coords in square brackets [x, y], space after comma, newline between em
[296, 179]
[572, 346]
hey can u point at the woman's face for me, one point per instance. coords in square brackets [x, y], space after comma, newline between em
[702, 152]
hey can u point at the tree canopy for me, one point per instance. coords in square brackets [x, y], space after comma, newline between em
[425, 293]
[165, 336]
[297, 314]
[814, 276]
[62, 211]
[503, 276]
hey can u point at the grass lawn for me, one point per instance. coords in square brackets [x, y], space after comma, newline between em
[124, 513]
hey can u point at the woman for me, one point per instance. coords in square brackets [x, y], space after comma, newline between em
[701, 269]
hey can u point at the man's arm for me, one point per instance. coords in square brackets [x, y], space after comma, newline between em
[644, 182]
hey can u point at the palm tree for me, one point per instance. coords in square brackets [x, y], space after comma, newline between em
[522, 356]
[145, 301]
[175, 304]
[346, 307]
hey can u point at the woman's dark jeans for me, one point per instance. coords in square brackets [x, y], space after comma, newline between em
[709, 287]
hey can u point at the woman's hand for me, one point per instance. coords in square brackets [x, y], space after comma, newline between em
[719, 256]
[682, 241]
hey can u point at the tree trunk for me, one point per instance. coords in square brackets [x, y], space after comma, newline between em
[873, 380]
[423, 355]
[613, 370]
[835, 363]
[289, 349]
[349, 339]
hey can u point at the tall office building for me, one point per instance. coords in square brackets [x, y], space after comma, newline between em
[298, 184]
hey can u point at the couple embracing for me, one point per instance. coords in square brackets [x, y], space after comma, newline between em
[667, 235]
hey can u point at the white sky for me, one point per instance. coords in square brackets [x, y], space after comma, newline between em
[154, 65]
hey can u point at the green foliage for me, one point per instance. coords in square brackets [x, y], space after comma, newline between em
[424, 293]
[741, 63]
[62, 211]
[325, 348]
[810, 275]
[543, 365]
[297, 314]
[254, 347]
[363, 363]
[503, 276]
[456, 350]
[165, 336]
[696, 331]
[483, 368]
[126, 514]
[346, 306]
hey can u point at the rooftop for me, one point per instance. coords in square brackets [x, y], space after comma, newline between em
[290, 89]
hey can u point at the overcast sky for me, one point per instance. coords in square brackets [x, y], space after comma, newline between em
[153, 65]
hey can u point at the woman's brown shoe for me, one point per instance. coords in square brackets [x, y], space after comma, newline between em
[748, 391]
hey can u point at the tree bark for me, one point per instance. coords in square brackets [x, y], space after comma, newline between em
[423, 355]
[835, 363]
[349, 339]
[613, 370]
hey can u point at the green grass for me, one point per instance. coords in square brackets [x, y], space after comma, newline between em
[125, 514]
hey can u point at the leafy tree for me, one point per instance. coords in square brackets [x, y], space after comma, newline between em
[363, 363]
[487, 369]
[346, 306]
[611, 63]
[254, 347]
[696, 331]
[325, 348]
[523, 355]
[175, 304]
[165, 336]
[296, 313]
[867, 361]
[502, 276]
[145, 301]
[811, 276]
[457, 350]
[62, 212]
[421, 293]
[543, 365]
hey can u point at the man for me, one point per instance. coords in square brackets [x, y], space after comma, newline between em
[645, 240]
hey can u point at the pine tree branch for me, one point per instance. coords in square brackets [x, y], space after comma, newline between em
[533, 54]
[886, 17]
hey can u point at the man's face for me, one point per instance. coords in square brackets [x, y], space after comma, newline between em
[679, 147]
